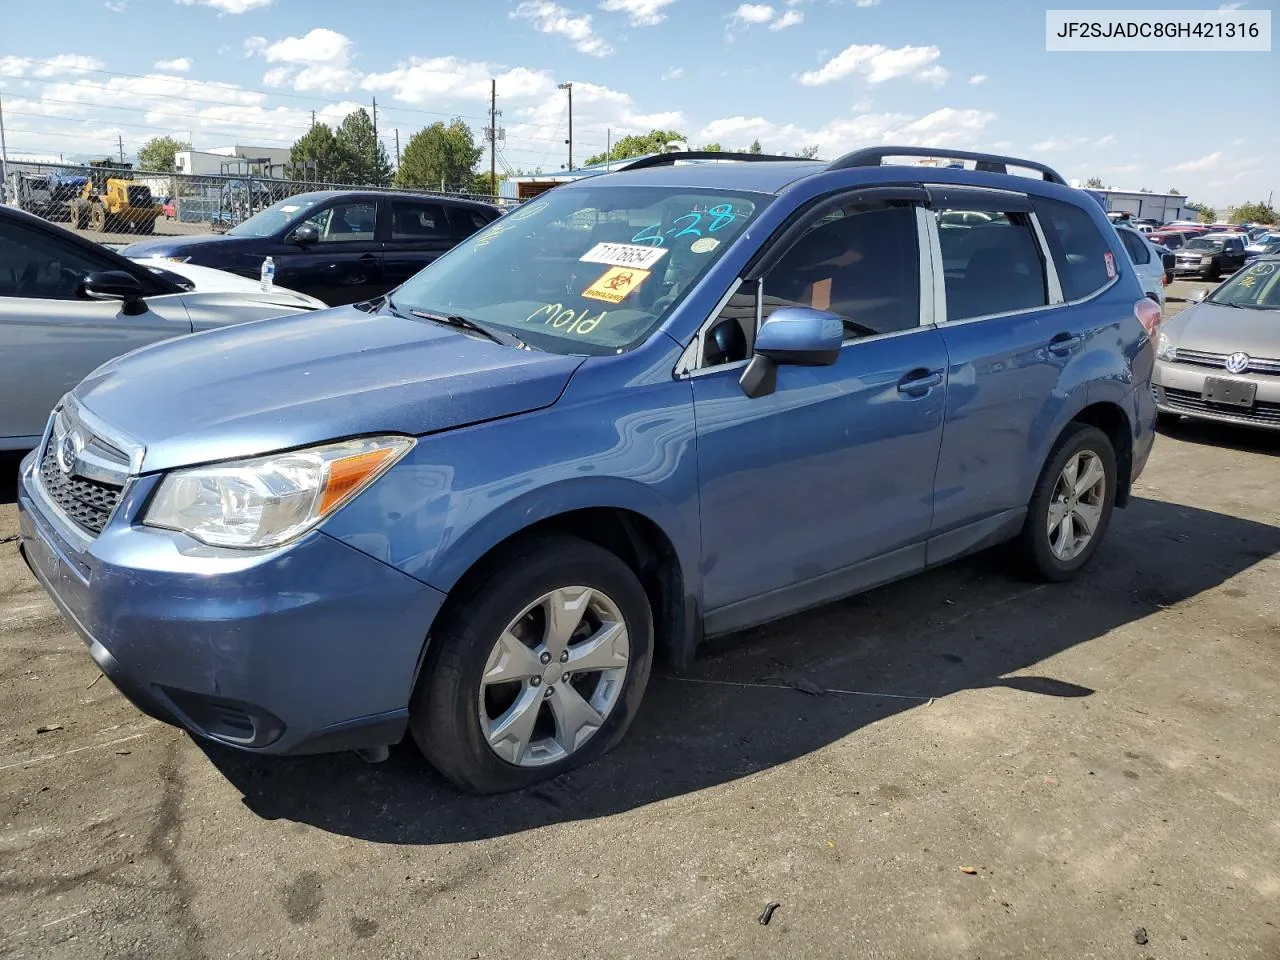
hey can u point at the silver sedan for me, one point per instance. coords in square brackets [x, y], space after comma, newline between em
[1220, 358]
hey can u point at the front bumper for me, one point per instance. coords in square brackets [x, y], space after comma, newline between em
[310, 648]
[1179, 388]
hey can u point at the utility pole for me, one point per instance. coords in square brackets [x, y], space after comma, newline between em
[120, 141]
[493, 136]
[375, 119]
[397, 148]
[313, 118]
[569, 87]
[608, 149]
[4, 156]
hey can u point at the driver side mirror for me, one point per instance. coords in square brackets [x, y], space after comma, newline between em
[306, 235]
[1198, 295]
[115, 285]
[795, 336]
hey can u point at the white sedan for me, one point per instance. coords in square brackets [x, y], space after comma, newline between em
[1147, 259]
[68, 305]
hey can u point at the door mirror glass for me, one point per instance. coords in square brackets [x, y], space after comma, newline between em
[115, 285]
[1198, 295]
[306, 235]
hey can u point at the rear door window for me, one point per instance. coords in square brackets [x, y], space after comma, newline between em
[1079, 250]
[1136, 246]
[992, 266]
[414, 220]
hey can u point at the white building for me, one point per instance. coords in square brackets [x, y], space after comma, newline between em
[234, 161]
[1161, 207]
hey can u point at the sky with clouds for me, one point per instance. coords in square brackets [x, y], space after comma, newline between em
[837, 74]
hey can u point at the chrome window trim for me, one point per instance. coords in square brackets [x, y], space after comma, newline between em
[1053, 284]
[691, 359]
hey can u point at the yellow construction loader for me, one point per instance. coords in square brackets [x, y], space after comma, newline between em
[112, 203]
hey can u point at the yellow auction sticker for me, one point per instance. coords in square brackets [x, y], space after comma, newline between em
[616, 284]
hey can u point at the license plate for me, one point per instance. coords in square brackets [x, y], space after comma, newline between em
[1234, 393]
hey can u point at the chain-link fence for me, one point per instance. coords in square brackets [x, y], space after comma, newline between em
[163, 203]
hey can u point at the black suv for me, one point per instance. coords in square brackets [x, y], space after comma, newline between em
[1210, 256]
[338, 246]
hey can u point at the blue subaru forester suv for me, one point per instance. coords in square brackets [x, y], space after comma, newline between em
[643, 408]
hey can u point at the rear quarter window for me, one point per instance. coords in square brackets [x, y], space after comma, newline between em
[1078, 247]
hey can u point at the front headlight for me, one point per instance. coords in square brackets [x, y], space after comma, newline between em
[267, 501]
[1165, 350]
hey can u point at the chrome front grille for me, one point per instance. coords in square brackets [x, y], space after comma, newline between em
[1186, 401]
[1205, 358]
[82, 474]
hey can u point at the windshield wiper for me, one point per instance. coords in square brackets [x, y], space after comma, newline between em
[466, 323]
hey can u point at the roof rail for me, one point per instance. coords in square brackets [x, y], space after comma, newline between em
[987, 162]
[663, 159]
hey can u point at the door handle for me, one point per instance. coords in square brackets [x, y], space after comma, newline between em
[368, 258]
[1063, 344]
[919, 382]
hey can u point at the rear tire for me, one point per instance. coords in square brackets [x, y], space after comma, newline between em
[452, 717]
[1057, 552]
[98, 219]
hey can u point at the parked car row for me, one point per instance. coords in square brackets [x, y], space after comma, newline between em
[475, 509]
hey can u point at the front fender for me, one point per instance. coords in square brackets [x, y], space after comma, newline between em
[613, 440]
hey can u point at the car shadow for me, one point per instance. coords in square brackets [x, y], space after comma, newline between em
[742, 707]
[1210, 433]
[9, 463]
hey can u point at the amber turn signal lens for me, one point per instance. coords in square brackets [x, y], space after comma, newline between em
[349, 474]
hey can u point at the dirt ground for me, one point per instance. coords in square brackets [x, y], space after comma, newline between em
[1017, 771]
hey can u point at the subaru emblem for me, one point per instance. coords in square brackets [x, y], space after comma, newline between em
[1237, 363]
[69, 451]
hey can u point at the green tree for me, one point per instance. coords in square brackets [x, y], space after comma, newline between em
[1095, 183]
[638, 145]
[156, 155]
[364, 158]
[808, 153]
[1174, 190]
[1204, 214]
[439, 157]
[316, 156]
[755, 147]
[1259, 212]
[486, 186]
[712, 148]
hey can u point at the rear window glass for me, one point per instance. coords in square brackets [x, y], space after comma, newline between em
[1078, 247]
[991, 266]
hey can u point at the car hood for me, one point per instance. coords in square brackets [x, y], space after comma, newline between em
[1216, 328]
[209, 280]
[183, 246]
[291, 381]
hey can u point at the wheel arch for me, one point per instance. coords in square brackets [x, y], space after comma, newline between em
[1111, 419]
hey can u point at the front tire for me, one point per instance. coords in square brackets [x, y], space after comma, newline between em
[538, 666]
[1071, 506]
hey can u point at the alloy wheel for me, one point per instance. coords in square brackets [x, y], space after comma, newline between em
[553, 677]
[1077, 505]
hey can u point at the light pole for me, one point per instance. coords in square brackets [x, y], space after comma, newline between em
[569, 88]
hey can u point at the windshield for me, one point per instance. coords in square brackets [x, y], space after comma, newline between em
[1200, 243]
[1256, 287]
[584, 270]
[273, 219]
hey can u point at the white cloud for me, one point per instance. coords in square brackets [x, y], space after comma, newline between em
[548, 17]
[180, 65]
[788, 19]
[878, 63]
[977, 79]
[316, 61]
[673, 73]
[947, 126]
[754, 13]
[1106, 141]
[444, 79]
[1208, 162]
[60, 65]
[117, 6]
[1230, 6]
[640, 13]
[1055, 144]
[866, 3]
[227, 6]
